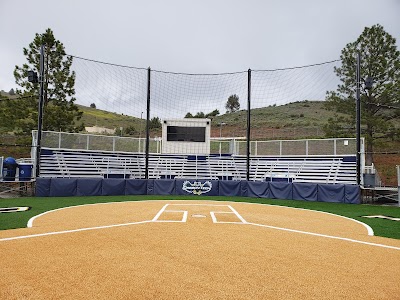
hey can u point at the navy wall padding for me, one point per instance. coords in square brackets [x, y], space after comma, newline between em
[113, 187]
[63, 187]
[136, 187]
[57, 187]
[150, 187]
[259, 189]
[244, 187]
[202, 187]
[280, 190]
[229, 188]
[164, 187]
[331, 193]
[305, 191]
[42, 187]
[89, 187]
[352, 194]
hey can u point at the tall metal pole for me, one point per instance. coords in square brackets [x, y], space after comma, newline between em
[140, 129]
[358, 118]
[40, 112]
[146, 172]
[248, 124]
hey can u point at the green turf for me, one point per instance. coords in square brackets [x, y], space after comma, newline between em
[381, 227]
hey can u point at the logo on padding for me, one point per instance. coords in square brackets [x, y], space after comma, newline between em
[197, 187]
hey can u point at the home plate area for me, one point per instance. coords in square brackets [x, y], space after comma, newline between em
[182, 213]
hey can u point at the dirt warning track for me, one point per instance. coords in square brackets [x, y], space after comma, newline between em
[196, 250]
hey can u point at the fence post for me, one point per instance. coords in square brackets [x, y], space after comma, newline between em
[40, 113]
[146, 171]
[248, 124]
[358, 118]
[334, 146]
[307, 147]
[398, 184]
[59, 140]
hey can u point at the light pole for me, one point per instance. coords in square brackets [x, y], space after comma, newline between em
[368, 84]
[220, 135]
[140, 129]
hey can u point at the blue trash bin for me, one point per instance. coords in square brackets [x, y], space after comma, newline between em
[9, 169]
[25, 171]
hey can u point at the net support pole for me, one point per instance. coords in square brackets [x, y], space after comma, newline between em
[248, 124]
[398, 184]
[146, 171]
[358, 118]
[40, 112]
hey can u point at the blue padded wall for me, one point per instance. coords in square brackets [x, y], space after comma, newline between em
[258, 189]
[113, 187]
[164, 187]
[230, 188]
[331, 193]
[42, 187]
[136, 187]
[63, 188]
[89, 187]
[305, 191]
[280, 190]
[338, 193]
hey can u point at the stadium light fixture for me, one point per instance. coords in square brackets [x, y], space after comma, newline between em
[369, 82]
[32, 77]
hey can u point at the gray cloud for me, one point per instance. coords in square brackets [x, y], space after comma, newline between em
[205, 36]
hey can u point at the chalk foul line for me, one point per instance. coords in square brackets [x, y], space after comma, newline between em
[71, 230]
[325, 236]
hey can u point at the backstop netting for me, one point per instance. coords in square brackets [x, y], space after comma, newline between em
[169, 95]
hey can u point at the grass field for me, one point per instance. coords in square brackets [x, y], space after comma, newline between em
[381, 227]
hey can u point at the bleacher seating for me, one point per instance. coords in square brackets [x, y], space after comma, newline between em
[86, 163]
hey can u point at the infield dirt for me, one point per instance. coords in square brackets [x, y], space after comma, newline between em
[169, 257]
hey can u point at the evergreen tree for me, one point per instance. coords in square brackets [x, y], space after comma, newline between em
[155, 123]
[188, 115]
[380, 60]
[232, 104]
[60, 111]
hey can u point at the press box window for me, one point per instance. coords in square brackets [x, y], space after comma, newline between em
[186, 134]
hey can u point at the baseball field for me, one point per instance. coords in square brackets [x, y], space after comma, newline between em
[135, 247]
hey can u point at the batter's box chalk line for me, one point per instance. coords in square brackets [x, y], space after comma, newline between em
[214, 214]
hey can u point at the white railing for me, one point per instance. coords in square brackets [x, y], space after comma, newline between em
[234, 146]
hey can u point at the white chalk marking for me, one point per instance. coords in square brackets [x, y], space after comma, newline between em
[370, 231]
[325, 236]
[70, 231]
[160, 212]
[163, 210]
[214, 218]
[237, 214]
[198, 216]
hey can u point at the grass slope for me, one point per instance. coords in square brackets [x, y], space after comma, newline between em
[102, 118]
[381, 227]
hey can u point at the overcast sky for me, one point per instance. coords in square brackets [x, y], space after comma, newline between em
[204, 36]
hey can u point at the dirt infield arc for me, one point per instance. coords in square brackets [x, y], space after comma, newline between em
[196, 250]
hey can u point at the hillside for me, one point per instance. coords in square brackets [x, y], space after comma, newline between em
[102, 118]
[293, 120]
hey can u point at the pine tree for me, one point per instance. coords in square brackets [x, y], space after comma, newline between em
[232, 104]
[60, 111]
[379, 105]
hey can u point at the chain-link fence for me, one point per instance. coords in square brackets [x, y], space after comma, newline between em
[233, 146]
